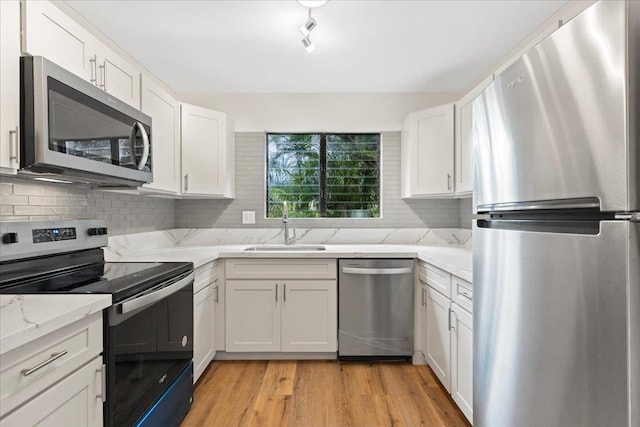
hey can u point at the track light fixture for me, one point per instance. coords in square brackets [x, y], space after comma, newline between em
[308, 26]
[308, 45]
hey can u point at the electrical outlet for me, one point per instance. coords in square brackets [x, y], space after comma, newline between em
[248, 217]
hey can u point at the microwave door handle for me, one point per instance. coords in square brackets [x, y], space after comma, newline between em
[145, 146]
[149, 299]
[132, 143]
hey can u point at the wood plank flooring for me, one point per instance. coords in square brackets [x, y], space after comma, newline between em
[320, 393]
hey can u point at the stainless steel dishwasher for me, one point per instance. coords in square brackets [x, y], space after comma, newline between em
[375, 309]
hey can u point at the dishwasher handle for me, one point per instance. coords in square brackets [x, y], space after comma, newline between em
[376, 271]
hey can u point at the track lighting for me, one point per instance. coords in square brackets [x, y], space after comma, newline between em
[308, 26]
[308, 45]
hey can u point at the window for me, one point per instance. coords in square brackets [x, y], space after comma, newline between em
[323, 175]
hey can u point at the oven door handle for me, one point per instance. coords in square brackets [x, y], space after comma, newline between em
[153, 297]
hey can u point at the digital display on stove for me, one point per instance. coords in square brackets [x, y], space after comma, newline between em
[41, 235]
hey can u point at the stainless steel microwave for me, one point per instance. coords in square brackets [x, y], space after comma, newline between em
[74, 131]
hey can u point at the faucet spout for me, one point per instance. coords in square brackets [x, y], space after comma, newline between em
[285, 219]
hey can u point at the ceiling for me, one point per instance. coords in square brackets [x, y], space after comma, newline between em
[371, 46]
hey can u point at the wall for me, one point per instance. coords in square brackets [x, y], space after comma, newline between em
[250, 195]
[466, 212]
[337, 112]
[22, 200]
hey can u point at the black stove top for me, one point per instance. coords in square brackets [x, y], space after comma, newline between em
[86, 272]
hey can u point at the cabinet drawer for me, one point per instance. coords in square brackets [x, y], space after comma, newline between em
[205, 274]
[82, 342]
[436, 278]
[281, 269]
[462, 293]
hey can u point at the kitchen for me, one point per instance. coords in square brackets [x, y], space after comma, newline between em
[224, 212]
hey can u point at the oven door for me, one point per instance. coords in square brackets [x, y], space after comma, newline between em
[149, 342]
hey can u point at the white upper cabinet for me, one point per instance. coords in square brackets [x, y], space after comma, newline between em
[165, 133]
[49, 32]
[464, 138]
[9, 85]
[206, 153]
[427, 152]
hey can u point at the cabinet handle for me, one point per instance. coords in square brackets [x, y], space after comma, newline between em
[215, 288]
[284, 292]
[13, 144]
[92, 62]
[449, 320]
[103, 70]
[464, 294]
[422, 295]
[103, 374]
[276, 292]
[53, 358]
[186, 182]
[449, 181]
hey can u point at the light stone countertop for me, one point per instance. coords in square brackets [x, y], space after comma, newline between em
[24, 318]
[453, 259]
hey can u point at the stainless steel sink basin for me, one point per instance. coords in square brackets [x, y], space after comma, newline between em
[283, 248]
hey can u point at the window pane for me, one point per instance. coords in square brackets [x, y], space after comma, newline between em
[293, 175]
[353, 175]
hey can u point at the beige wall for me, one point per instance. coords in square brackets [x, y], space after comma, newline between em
[338, 112]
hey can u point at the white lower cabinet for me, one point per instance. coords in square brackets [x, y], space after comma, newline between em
[462, 359]
[55, 380]
[206, 297]
[74, 401]
[446, 337]
[9, 85]
[281, 305]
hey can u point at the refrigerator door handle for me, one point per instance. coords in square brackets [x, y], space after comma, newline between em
[536, 205]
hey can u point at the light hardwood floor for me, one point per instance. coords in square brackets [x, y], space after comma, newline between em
[320, 393]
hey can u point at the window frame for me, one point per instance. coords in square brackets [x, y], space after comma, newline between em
[323, 174]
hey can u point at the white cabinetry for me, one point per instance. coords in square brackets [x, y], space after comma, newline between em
[281, 305]
[207, 153]
[427, 152]
[164, 111]
[49, 32]
[9, 85]
[446, 338]
[205, 300]
[464, 139]
[56, 379]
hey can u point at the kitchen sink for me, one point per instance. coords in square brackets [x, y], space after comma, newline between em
[284, 248]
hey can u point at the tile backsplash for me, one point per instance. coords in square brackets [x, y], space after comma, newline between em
[23, 200]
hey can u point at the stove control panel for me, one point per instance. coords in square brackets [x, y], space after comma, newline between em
[41, 235]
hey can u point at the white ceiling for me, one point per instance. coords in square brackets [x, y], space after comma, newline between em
[362, 46]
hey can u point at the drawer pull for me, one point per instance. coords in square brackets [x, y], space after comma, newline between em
[53, 358]
[464, 294]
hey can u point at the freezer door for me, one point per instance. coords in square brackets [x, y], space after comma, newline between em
[554, 124]
[550, 327]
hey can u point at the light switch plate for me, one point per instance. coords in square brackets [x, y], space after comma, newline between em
[248, 217]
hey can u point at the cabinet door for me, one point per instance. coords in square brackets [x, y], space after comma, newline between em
[253, 315]
[462, 360]
[74, 401]
[50, 32]
[203, 330]
[219, 285]
[204, 150]
[309, 315]
[116, 76]
[165, 132]
[429, 142]
[438, 337]
[464, 139]
[9, 84]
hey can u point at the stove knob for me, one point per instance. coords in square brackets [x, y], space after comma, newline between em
[102, 231]
[10, 238]
[93, 231]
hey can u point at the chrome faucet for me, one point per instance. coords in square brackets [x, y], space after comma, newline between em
[285, 219]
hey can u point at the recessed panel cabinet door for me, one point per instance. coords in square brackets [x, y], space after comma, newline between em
[253, 315]
[203, 330]
[309, 315]
[462, 360]
[74, 401]
[49, 32]
[204, 151]
[117, 77]
[9, 84]
[438, 337]
[165, 131]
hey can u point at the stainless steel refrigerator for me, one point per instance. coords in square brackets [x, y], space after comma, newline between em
[557, 235]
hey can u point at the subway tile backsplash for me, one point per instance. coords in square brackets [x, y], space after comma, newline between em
[23, 200]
